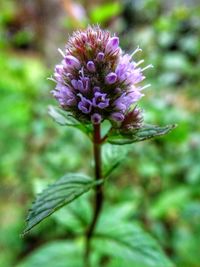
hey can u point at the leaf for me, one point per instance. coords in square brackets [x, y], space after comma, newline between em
[142, 134]
[112, 157]
[170, 201]
[104, 12]
[65, 118]
[72, 216]
[128, 242]
[55, 254]
[62, 192]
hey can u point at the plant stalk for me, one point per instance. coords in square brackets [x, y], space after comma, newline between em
[98, 191]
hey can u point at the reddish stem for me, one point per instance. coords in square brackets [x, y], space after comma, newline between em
[98, 192]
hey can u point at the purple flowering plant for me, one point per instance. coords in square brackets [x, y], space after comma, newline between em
[96, 83]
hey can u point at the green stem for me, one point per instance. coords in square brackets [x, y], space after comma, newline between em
[98, 192]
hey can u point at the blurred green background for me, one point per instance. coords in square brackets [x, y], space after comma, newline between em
[159, 180]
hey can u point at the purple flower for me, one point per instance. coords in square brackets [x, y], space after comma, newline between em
[124, 102]
[111, 78]
[64, 95]
[82, 85]
[127, 72]
[100, 100]
[96, 80]
[85, 105]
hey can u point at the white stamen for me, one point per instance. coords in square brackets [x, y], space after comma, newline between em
[81, 72]
[136, 50]
[147, 67]
[61, 52]
[146, 86]
[139, 62]
[80, 95]
[51, 79]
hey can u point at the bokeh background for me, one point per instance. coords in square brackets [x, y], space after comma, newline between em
[159, 180]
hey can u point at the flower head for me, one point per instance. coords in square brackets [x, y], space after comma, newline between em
[96, 80]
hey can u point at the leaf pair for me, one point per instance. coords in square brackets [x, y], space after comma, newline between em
[115, 136]
[114, 236]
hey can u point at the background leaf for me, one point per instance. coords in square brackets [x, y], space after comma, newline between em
[101, 14]
[64, 191]
[131, 244]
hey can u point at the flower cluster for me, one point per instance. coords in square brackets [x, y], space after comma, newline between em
[97, 81]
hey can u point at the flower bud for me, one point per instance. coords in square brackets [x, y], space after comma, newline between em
[100, 56]
[112, 45]
[111, 78]
[72, 62]
[91, 66]
[117, 117]
[96, 118]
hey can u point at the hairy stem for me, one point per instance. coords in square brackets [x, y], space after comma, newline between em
[98, 192]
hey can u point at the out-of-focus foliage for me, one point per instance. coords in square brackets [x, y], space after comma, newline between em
[156, 184]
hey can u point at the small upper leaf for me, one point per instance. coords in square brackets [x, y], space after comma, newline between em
[146, 132]
[62, 192]
[62, 117]
[65, 118]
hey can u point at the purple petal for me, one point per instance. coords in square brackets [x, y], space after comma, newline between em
[127, 72]
[58, 77]
[112, 45]
[74, 84]
[85, 105]
[72, 62]
[59, 69]
[117, 116]
[80, 85]
[100, 100]
[64, 95]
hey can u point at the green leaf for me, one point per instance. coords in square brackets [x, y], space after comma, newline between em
[72, 216]
[62, 192]
[142, 134]
[55, 254]
[102, 13]
[170, 201]
[65, 118]
[128, 242]
[62, 117]
[112, 157]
